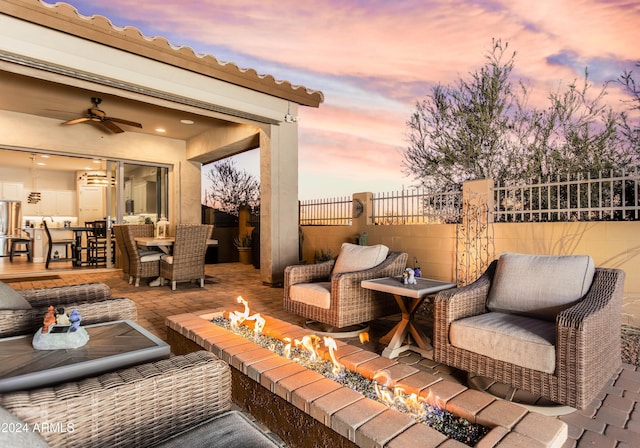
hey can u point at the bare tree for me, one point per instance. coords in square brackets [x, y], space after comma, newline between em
[630, 119]
[463, 132]
[483, 128]
[231, 188]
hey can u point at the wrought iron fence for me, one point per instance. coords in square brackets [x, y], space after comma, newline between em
[326, 212]
[400, 207]
[608, 197]
[416, 207]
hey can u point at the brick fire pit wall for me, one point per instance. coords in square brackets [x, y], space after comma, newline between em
[302, 406]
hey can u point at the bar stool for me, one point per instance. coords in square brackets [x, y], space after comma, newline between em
[20, 246]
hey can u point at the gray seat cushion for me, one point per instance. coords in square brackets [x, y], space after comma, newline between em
[539, 285]
[519, 340]
[229, 430]
[10, 299]
[314, 294]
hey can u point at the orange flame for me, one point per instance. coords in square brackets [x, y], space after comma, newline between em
[287, 347]
[435, 401]
[236, 318]
[364, 337]
[330, 343]
[311, 344]
[393, 396]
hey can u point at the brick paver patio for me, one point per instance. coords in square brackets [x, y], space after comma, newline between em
[611, 420]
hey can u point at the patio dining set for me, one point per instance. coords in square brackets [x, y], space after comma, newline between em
[174, 259]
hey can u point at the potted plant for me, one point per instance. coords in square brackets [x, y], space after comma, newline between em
[243, 244]
[322, 255]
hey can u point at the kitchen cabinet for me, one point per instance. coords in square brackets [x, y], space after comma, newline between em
[144, 197]
[11, 191]
[52, 203]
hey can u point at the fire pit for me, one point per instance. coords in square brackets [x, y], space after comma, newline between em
[302, 405]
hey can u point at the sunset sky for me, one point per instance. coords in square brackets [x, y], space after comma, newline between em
[374, 59]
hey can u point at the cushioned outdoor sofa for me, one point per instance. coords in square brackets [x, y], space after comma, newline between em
[548, 325]
[183, 401]
[22, 312]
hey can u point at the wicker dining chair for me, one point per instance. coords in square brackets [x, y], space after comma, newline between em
[122, 255]
[141, 264]
[189, 250]
[566, 357]
[350, 303]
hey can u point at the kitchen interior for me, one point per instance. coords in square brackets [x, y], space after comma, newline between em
[68, 192]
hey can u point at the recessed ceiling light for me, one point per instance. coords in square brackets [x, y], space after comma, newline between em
[96, 161]
[40, 163]
[187, 121]
[44, 156]
[160, 130]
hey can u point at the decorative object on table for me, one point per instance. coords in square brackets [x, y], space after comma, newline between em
[243, 244]
[408, 277]
[162, 227]
[62, 318]
[49, 319]
[75, 319]
[416, 268]
[58, 332]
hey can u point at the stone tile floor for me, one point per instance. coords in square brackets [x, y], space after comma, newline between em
[611, 420]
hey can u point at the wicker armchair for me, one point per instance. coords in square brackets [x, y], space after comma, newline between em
[189, 250]
[141, 406]
[350, 304]
[585, 339]
[93, 301]
[141, 264]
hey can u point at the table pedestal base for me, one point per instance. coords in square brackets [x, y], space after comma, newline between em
[405, 335]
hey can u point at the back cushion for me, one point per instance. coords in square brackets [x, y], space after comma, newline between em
[539, 285]
[353, 257]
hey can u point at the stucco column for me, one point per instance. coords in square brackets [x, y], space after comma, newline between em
[278, 201]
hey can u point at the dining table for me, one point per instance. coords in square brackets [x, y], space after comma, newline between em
[164, 244]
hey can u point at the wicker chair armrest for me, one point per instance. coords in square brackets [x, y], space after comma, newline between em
[465, 301]
[602, 302]
[139, 406]
[61, 295]
[19, 322]
[588, 334]
[308, 273]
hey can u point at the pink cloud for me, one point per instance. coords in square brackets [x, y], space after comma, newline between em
[373, 60]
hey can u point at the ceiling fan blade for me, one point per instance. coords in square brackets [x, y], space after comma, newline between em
[77, 120]
[111, 126]
[127, 122]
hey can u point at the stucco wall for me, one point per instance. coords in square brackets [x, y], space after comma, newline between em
[611, 244]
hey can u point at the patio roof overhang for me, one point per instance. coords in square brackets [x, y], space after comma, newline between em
[65, 18]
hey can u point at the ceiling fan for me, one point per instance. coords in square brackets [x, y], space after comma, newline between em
[99, 116]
